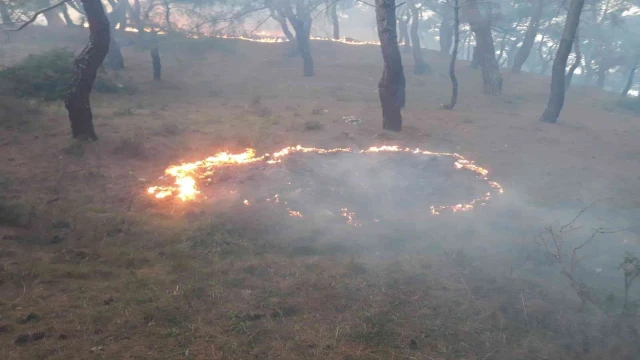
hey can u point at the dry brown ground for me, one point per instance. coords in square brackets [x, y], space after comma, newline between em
[109, 274]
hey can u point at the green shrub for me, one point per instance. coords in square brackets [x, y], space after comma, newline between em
[631, 104]
[47, 76]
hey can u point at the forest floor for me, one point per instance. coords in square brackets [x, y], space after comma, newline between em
[93, 268]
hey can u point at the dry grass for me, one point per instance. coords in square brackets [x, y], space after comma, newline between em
[109, 273]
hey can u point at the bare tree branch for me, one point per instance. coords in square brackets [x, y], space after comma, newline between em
[38, 13]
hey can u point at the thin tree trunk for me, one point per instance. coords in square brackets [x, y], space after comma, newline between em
[446, 34]
[391, 87]
[632, 73]
[334, 20]
[529, 38]
[86, 69]
[469, 58]
[556, 98]
[292, 49]
[486, 54]
[577, 61]
[167, 16]
[53, 16]
[301, 23]
[513, 48]
[65, 15]
[403, 25]
[503, 46]
[4, 14]
[155, 58]
[454, 55]
[136, 15]
[421, 66]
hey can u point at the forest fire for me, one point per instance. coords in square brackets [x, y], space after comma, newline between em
[186, 177]
[264, 37]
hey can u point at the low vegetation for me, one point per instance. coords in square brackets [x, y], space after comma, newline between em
[47, 77]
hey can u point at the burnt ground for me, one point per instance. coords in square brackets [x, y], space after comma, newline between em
[91, 267]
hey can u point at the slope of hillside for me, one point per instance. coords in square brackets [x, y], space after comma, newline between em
[93, 268]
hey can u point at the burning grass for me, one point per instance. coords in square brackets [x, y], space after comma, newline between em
[190, 179]
[129, 275]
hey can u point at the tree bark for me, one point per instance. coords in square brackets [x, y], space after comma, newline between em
[403, 25]
[576, 63]
[486, 53]
[446, 33]
[421, 66]
[292, 49]
[65, 15]
[155, 61]
[556, 98]
[513, 48]
[632, 73]
[301, 22]
[4, 14]
[86, 69]
[391, 87]
[529, 38]
[167, 15]
[53, 16]
[334, 20]
[454, 55]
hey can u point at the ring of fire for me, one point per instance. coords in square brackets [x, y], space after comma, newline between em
[186, 176]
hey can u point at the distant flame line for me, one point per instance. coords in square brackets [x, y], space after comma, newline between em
[185, 175]
[263, 38]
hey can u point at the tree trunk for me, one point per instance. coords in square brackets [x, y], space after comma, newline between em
[403, 25]
[486, 53]
[503, 47]
[391, 87]
[167, 15]
[114, 59]
[513, 48]
[334, 20]
[65, 15]
[155, 61]
[632, 73]
[421, 66]
[454, 55]
[301, 23]
[4, 14]
[52, 16]
[86, 69]
[576, 63]
[556, 98]
[529, 38]
[446, 34]
[292, 49]
[136, 15]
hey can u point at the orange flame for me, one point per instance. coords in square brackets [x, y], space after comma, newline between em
[186, 175]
